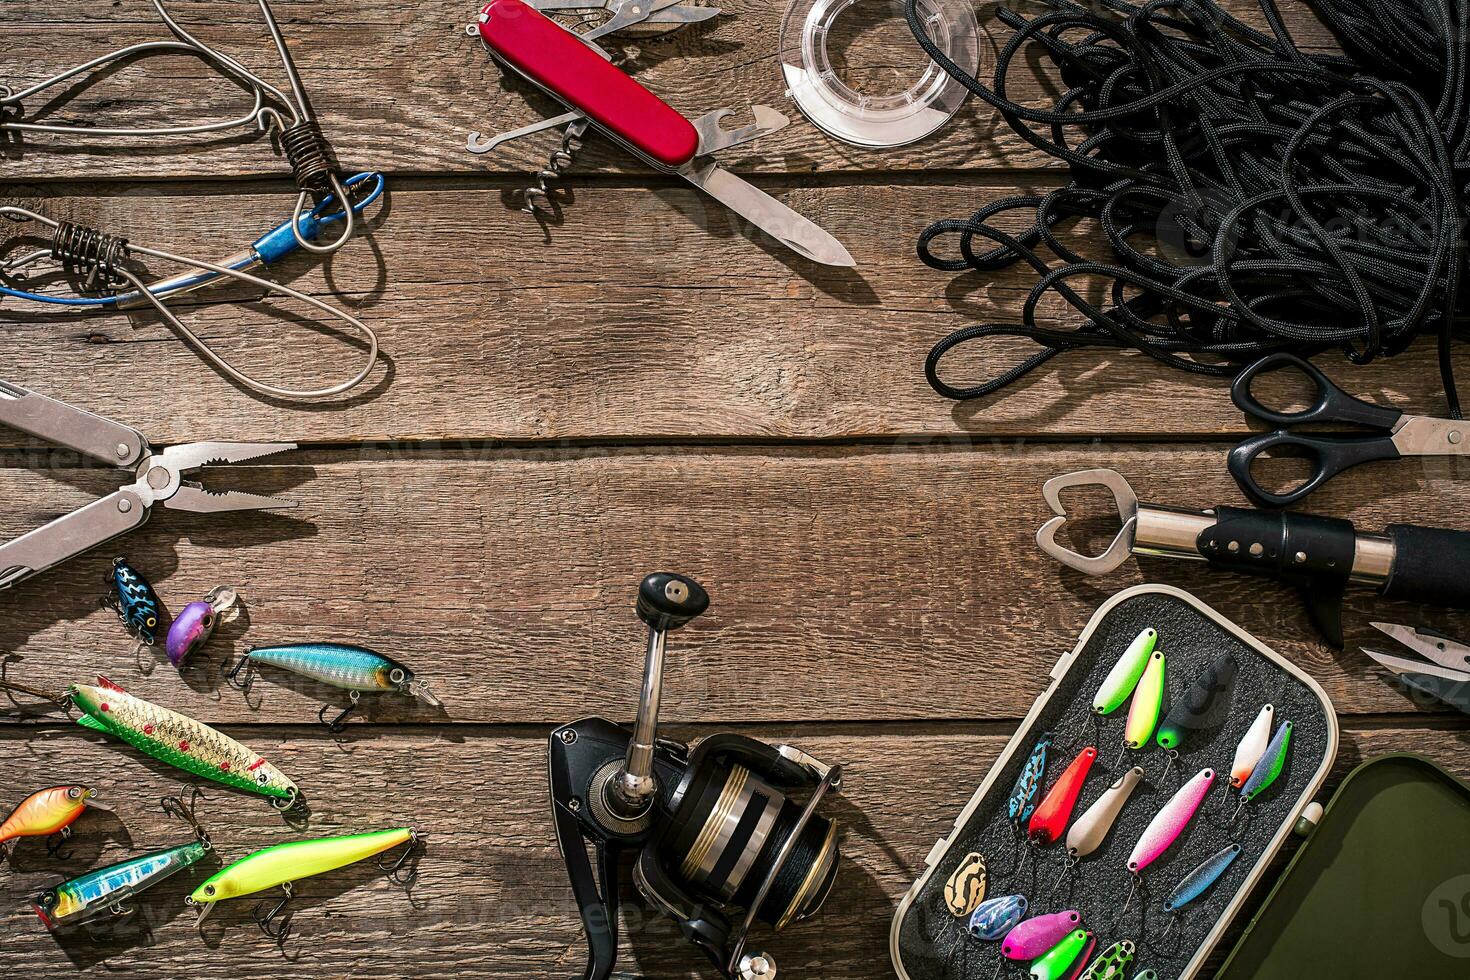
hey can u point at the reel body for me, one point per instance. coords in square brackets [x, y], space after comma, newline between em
[722, 835]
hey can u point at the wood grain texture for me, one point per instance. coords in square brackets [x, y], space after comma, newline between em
[648, 315]
[492, 893]
[399, 87]
[860, 584]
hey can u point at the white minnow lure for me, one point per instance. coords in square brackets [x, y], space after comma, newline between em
[1123, 678]
[1091, 829]
[1252, 747]
[1170, 821]
[1198, 881]
[1148, 699]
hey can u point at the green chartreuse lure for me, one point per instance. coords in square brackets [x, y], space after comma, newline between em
[1123, 678]
[1148, 699]
[284, 863]
[1057, 961]
[103, 892]
[180, 741]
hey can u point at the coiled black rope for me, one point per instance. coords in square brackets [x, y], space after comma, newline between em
[1254, 197]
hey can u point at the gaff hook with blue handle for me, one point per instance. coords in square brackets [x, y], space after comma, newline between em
[101, 259]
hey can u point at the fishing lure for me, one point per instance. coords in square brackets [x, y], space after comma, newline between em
[1079, 965]
[1054, 963]
[195, 624]
[1198, 881]
[1143, 711]
[1197, 708]
[965, 888]
[1033, 937]
[1091, 829]
[181, 741]
[1164, 829]
[1112, 963]
[1252, 746]
[103, 891]
[1123, 678]
[283, 864]
[133, 599]
[1022, 801]
[1273, 760]
[1147, 975]
[350, 668]
[995, 917]
[48, 813]
[1050, 819]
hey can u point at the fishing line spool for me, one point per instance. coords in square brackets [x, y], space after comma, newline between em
[722, 833]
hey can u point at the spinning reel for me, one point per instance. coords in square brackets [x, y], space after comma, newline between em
[720, 840]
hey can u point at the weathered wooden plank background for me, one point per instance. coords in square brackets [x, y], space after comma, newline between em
[560, 410]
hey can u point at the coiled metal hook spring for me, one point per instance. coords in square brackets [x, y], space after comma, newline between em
[537, 196]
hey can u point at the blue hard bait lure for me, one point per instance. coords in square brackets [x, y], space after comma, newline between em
[997, 916]
[1022, 801]
[133, 599]
[1198, 881]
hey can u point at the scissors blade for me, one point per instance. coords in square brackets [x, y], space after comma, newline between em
[1400, 665]
[1419, 435]
[197, 500]
[1431, 646]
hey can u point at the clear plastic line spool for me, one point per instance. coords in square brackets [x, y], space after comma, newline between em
[876, 120]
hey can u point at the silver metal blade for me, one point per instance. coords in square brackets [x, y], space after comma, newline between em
[193, 455]
[197, 500]
[1438, 649]
[1418, 435]
[65, 425]
[1399, 665]
[683, 15]
[797, 233]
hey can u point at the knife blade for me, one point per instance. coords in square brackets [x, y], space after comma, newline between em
[801, 235]
[1431, 646]
[1400, 665]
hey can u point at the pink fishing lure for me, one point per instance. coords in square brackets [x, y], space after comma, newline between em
[1170, 821]
[1035, 936]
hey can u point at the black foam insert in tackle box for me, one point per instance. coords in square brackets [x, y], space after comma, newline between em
[928, 942]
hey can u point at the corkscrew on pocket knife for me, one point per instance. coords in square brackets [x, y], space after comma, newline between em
[602, 96]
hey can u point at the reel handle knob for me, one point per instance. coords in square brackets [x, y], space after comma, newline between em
[667, 601]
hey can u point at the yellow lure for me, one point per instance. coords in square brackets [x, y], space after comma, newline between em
[295, 860]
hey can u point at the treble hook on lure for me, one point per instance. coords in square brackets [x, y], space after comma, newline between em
[289, 117]
[350, 668]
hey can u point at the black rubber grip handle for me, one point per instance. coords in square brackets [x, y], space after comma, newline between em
[1430, 565]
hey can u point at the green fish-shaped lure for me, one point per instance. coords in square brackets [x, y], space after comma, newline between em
[180, 741]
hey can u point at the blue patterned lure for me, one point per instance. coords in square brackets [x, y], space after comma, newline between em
[997, 916]
[103, 892]
[1198, 881]
[133, 599]
[350, 668]
[1022, 801]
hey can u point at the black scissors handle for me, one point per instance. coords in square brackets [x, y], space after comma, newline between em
[1328, 455]
[1332, 404]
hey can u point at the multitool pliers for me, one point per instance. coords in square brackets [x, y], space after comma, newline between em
[159, 477]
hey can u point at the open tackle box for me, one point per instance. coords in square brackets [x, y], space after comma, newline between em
[929, 942]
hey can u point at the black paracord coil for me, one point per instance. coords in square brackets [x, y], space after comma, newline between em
[1254, 197]
[87, 252]
[310, 156]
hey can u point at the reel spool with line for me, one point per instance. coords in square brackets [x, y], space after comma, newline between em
[723, 840]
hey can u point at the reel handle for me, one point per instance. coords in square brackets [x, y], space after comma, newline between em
[666, 601]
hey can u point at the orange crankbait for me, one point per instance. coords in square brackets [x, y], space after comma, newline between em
[47, 812]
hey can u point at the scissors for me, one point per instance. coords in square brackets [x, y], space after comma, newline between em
[1395, 434]
[1444, 671]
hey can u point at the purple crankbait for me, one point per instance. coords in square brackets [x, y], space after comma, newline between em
[195, 624]
[997, 916]
[1032, 938]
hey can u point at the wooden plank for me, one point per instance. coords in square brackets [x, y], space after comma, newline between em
[399, 87]
[491, 895]
[647, 315]
[860, 583]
